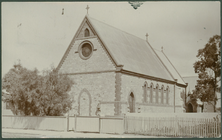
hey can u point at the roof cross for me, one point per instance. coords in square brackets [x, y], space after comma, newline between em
[87, 8]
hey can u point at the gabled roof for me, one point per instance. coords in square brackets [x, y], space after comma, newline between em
[134, 53]
[170, 67]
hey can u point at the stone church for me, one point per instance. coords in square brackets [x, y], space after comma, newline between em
[116, 72]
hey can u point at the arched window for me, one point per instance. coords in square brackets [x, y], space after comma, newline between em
[162, 98]
[151, 93]
[167, 95]
[157, 93]
[145, 92]
[131, 100]
[86, 33]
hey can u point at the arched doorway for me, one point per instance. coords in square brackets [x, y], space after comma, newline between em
[189, 108]
[84, 100]
[131, 103]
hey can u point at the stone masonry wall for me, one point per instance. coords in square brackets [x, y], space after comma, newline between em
[92, 77]
[178, 100]
[101, 87]
[135, 84]
[99, 61]
[81, 34]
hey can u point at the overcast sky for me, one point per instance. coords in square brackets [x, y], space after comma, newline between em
[38, 34]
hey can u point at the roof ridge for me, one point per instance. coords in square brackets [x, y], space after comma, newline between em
[173, 67]
[116, 28]
[161, 61]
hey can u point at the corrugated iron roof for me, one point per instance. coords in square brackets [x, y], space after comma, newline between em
[133, 52]
[170, 67]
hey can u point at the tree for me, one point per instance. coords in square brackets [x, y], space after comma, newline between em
[54, 99]
[208, 68]
[21, 84]
[30, 93]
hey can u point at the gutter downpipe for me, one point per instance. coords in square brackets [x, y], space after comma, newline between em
[186, 97]
[174, 109]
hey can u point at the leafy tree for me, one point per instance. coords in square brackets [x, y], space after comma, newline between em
[21, 84]
[30, 93]
[54, 99]
[208, 68]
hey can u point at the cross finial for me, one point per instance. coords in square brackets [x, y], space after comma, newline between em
[147, 36]
[87, 8]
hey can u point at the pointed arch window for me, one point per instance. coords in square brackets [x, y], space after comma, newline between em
[167, 95]
[157, 93]
[86, 33]
[131, 100]
[151, 93]
[145, 92]
[162, 98]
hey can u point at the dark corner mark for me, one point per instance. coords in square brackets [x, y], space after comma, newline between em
[135, 4]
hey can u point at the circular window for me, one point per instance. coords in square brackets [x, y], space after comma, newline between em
[85, 49]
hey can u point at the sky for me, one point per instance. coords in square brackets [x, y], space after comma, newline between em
[37, 34]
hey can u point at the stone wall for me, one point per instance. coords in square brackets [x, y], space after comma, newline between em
[100, 86]
[179, 101]
[135, 84]
[99, 61]
[81, 34]
[179, 109]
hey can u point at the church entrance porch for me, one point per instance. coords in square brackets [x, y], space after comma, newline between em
[190, 108]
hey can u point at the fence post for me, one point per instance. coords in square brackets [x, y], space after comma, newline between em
[124, 123]
[99, 125]
[75, 121]
[67, 123]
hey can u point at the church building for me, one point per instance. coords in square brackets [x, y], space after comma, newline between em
[115, 72]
